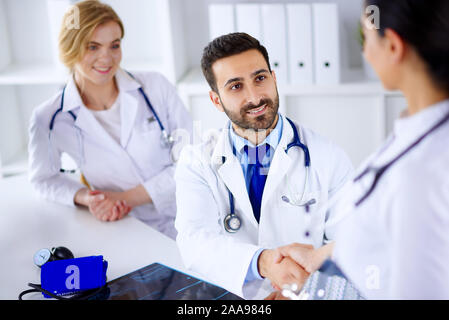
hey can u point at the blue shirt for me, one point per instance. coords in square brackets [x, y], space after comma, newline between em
[239, 143]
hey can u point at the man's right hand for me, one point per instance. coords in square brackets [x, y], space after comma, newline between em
[287, 271]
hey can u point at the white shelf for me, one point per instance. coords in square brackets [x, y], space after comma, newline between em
[32, 73]
[355, 84]
[47, 73]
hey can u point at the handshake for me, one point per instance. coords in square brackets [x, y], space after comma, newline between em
[291, 264]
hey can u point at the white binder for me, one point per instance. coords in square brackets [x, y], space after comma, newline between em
[327, 44]
[274, 32]
[221, 20]
[248, 19]
[300, 44]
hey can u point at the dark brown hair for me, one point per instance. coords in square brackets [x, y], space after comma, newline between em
[226, 46]
[425, 26]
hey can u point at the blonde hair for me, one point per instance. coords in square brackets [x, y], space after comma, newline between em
[73, 38]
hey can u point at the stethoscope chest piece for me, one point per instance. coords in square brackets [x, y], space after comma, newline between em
[167, 140]
[232, 223]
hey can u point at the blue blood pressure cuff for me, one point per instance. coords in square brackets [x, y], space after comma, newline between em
[69, 276]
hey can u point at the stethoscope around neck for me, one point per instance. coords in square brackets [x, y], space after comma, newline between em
[232, 222]
[166, 139]
[379, 172]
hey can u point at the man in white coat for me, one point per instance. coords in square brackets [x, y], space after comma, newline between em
[256, 187]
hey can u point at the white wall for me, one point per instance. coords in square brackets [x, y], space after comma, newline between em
[143, 32]
[5, 55]
[353, 123]
[30, 38]
[11, 131]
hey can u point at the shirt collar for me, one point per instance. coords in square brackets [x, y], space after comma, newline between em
[272, 139]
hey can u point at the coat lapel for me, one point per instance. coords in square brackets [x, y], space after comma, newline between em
[128, 113]
[231, 174]
[129, 107]
[280, 164]
[86, 121]
[129, 104]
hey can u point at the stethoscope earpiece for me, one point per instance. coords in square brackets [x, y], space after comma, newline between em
[298, 204]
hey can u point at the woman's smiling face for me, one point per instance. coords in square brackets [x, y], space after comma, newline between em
[103, 54]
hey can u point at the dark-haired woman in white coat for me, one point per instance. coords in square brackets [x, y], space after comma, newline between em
[394, 243]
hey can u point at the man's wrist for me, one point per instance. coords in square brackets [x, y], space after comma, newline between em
[265, 257]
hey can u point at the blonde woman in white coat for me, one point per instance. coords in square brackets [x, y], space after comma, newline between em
[102, 120]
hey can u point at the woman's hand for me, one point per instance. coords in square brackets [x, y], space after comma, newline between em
[282, 271]
[104, 205]
[307, 257]
[109, 207]
[276, 295]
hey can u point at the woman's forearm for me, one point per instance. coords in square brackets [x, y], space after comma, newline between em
[81, 197]
[325, 252]
[137, 196]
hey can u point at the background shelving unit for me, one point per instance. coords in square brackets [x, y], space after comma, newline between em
[357, 114]
[168, 36]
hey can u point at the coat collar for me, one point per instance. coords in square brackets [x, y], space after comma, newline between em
[72, 98]
[223, 147]
[410, 128]
[231, 173]
[128, 107]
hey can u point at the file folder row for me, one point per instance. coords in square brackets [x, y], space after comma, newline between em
[302, 39]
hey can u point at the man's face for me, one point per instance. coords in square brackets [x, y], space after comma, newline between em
[247, 91]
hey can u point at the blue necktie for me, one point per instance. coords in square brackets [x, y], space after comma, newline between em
[258, 176]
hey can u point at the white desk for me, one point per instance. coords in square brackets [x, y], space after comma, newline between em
[28, 224]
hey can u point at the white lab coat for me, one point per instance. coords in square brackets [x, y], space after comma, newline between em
[106, 164]
[395, 245]
[203, 202]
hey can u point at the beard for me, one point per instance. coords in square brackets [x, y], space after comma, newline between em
[263, 122]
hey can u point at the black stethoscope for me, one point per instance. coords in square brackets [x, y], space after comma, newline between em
[166, 139]
[378, 173]
[232, 221]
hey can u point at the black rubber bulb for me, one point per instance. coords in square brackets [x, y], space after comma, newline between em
[62, 253]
